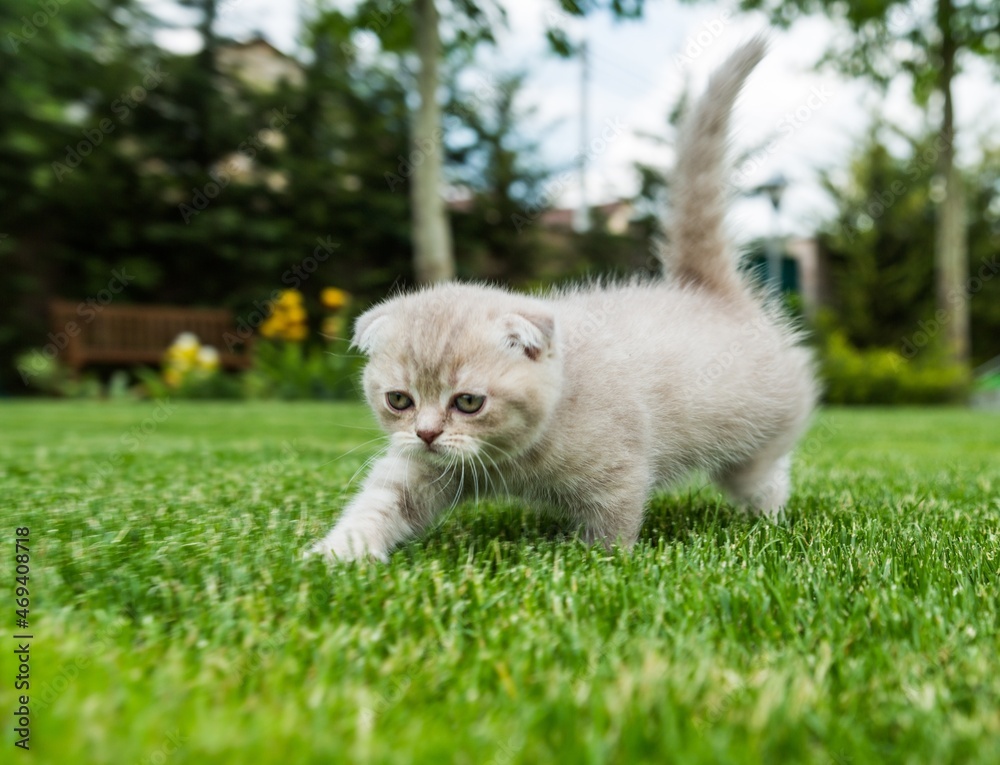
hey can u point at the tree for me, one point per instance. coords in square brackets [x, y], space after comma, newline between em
[433, 259]
[502, 171]
[882, 283]
[874, 248]
[889, 35]
[469, 22]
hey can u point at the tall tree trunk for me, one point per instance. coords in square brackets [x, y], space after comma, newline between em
[204, 151]
[432, 249]
[951, 255]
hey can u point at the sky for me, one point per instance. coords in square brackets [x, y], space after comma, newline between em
[811, 119]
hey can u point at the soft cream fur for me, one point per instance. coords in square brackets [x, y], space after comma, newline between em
[594, 395]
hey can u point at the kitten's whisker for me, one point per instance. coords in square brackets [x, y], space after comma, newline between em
[461, 484]
[406, 473]
[366, 464]
[351, 451]
[475, 477]
[510, 460]
[499, 472]
[359, 427]
[444, 471]
[486, 472]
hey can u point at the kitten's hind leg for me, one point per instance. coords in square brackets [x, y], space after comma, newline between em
[762, 485]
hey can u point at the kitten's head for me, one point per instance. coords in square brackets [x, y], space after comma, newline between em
[458, 370]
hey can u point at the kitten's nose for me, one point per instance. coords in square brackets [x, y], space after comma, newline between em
[428, 436]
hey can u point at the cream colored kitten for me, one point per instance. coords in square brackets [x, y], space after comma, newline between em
[589, 398]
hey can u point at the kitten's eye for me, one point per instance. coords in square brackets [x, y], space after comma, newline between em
[398, 400]
[468, 403]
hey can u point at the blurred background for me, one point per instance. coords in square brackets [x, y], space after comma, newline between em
[196, 197]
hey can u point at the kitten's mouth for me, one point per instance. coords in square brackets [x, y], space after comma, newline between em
[430, 450]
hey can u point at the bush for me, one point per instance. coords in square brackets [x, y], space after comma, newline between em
[288, 370]
[48, 376]
[884, 376]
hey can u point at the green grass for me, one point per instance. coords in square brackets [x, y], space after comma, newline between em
[173, 624]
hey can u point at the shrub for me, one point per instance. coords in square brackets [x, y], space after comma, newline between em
[49, 376]
[295, 371]
[883, 376]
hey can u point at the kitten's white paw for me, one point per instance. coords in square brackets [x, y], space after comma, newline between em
[342, 545]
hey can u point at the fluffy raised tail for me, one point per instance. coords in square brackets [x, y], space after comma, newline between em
[699, 251]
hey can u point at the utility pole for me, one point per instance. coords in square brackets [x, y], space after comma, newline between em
[581, 220]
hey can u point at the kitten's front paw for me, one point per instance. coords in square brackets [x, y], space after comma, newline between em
[346, 546]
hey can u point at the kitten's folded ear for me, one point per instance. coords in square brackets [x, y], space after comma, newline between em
[366, 328]
[530, 332]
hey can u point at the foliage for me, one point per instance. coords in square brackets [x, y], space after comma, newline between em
[178, 210]
[932, 43]
[883, 376]
[288, 319]
[876, 250]
[207, 189]
[52, 378]
[983, 189]
[173, 607]
[190, 370]
[188, 358]
[874, 30]
[501, 171]
[201, 386]
[291, 371]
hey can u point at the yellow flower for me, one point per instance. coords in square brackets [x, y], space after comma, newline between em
[272, 326]
[294, 315]
[334, 298]
[289, 298]
[172, 377]
[183, 352]
[208, 358]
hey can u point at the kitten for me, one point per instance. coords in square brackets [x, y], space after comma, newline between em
[587, 398]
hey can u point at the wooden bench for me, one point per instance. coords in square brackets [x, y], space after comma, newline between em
[140, 334]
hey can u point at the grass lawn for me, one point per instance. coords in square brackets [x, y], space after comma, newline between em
[173, 624]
